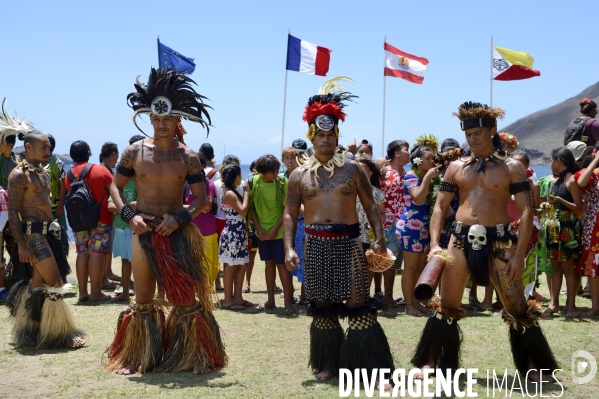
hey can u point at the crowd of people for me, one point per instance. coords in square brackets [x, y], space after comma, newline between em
[181, 239]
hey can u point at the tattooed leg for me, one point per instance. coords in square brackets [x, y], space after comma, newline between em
[45, 269]
[510, 292]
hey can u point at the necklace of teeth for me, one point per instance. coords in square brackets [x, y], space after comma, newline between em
[312, 164]
[38, 170]
[492, 156]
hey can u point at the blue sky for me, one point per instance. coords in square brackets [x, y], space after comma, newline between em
[67, 66]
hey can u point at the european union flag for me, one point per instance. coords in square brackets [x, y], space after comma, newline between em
[169, 58]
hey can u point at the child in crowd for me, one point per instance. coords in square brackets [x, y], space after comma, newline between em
[267, 197]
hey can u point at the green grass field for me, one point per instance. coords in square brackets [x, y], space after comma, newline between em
[268, 354]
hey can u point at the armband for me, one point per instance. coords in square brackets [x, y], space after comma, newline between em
[127, 213]
[447, 186]
[196, 178]
[125, 171]
[182, 217]
[519, 186]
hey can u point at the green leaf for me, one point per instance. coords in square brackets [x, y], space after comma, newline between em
[571, 244]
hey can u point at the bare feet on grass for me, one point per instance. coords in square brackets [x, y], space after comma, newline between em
[266, 305]
[536, 375]
[420, 375]
[120, 298]
[127, 370]
[324, 375]
[591, 313]
[413, 310]
[386, 387]
[550, 310]
[75, 343]
[199, 370]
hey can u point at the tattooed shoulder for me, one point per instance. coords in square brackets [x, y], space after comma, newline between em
[192, 160]
[129, 156]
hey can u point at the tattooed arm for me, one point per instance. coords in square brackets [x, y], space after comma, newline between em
[119, 182]
[117, 189]
[370, 208]
[16, 189]
[292, 209]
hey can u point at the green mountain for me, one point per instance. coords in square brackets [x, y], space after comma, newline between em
[542, 131]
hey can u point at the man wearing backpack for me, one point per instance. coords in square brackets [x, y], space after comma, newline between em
[584, 128]
[92, 242]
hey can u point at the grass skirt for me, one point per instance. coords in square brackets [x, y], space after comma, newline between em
[138, 342]
[41, 317]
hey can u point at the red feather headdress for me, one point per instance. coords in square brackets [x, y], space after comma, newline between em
[327, 103]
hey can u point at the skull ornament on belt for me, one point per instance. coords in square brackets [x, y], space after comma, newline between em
[477, 236]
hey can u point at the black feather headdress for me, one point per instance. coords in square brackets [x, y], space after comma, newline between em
[325, 110]
[169, 93]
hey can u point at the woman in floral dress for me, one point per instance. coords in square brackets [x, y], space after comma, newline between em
[588, 181]
[412, 228]
[233, 244]
[563, 239]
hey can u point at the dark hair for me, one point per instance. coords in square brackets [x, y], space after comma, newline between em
[231, 159]
[207, 150]
[310, 151]
[52, 142]
[267, 163]
[228, 176]
[466, 151]
[448, 144]
[12, 139]
[418, 152]
[31, 136]
[202, 160]
[80, 151]
[586, 106]
[253, 166]
[565, 155]
[367, 144]
[107, 150]
[136, 138]
[376, 177]
[395, 145]
[523, 154]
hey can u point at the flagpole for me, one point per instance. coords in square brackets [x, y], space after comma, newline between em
[384, 95]
[159, 66]
[491, 102]
[284, 104]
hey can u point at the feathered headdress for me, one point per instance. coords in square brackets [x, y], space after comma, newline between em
[325, 110]
[473, 115]
[478, 115]
[169, 93]
[12, 126]
[427, 140]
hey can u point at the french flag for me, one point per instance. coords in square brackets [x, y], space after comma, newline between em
[307, 57]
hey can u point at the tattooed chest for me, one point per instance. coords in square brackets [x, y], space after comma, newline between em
[158, 155]
[314, 187]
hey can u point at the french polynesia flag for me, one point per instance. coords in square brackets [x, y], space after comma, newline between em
[307, 57]
[400, 64]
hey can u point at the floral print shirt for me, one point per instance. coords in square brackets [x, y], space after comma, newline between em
[395, 203]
